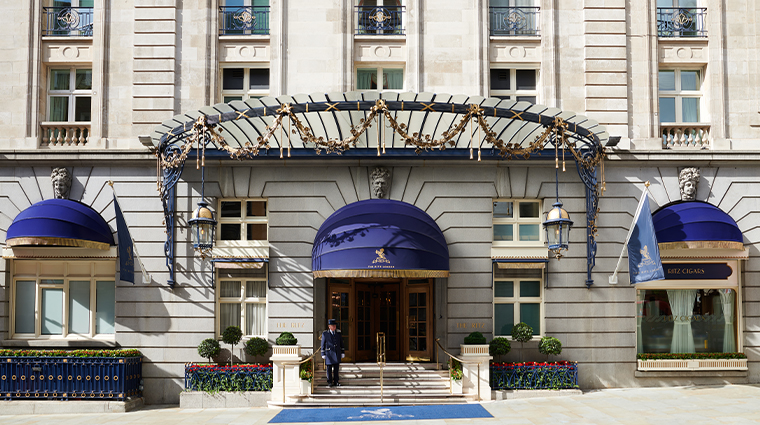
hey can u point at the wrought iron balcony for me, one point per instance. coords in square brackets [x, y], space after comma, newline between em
[379, 20]
[682, 22]
[248, 20]
[511, 21]
[67, 21]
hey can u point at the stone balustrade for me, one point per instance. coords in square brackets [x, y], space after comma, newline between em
[692, 136]
[58, 134]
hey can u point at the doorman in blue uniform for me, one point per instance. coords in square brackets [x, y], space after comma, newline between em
[332, 352]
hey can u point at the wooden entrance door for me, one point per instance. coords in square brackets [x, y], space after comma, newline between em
[377, 310]
[418, 320]
[341, 304]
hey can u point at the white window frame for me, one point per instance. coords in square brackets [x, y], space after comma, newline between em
[516, 221]
[380, 75]
[679, 94]
[41, 274]
[72, 93]
[246, 92]
[242, 220]
[513, 93]
[516, 299]
[242, 300]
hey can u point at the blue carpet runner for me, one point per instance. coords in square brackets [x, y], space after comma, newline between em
[393, 413]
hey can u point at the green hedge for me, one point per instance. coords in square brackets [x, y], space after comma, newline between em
[71, 353]
[689, 356]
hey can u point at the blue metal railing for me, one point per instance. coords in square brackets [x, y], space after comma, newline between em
[212, 378]
[67, 21]
[514, 20]
[534, 376]
[682, 22]
[69, 378]
[247, 20]
[379, 20]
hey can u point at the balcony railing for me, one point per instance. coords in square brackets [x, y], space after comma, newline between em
[682, 22]
[511, 21]
[251, 20]
[57, 134]
[692, 136]
[67, 21]
[379, 20]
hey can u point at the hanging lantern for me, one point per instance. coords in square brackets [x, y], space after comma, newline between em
[557, 227]
[202, 228]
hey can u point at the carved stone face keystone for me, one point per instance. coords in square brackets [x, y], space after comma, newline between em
[687, 181]
[379, 178]
[61, 183]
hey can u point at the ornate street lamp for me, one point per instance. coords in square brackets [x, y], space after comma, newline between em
[557, 226]
[202, 229]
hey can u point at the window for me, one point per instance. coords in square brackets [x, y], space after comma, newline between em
[242, 300]
[244, 17]
[514, 84]
[681, 18]
[517, 297]
[367, 78]
[56, 299]
[517, 222]
[680, 95]
[244, 220]
[513, 17]
[244, 83]
[686, 320]
[68, 18]
[379, 17]
[70, 95]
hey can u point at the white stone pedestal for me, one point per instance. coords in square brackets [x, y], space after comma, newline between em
[472, 355]
[286, 380]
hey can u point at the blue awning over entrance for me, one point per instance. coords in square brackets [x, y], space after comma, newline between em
[59, 222]
[380, 238]
[695, 224]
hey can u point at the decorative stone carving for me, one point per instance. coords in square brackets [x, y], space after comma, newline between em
[380, 178]
[61, 183]
[687, 181]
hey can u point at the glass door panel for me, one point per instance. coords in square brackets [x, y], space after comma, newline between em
[419, 336]
[340, 310]
[365, 341]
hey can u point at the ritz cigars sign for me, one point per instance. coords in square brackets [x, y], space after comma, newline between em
[697, 271]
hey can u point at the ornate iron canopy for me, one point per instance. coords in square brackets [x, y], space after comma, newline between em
[391, 124]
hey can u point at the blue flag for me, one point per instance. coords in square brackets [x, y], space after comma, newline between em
[126, 249]
[643, 253]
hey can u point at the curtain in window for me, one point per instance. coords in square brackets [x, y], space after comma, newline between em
[229, 289]
[25, 294]
[690, 109]
[639, 318]
[682, 308]
[79, 306]
[229, 315]
[255, 318]
[105, 307]
[394, 78]
[52, 311]
[366, 79]
[727, 300]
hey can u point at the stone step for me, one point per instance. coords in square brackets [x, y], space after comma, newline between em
[386, 376]
[375, 390]
[387, 382]
[337, 400]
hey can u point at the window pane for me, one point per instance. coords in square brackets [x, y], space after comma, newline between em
[256, 289]
[656, 326]
[530, 288]
[529, 232]
[52, 311]
[667, 80]
[232, 79]
[529, 210]
[86, 3]
[105, 295]
[667, 109]
[502, 232]
[79, 307]
[229, 232]
[59, 79]
[530, 314]
[256, 232]
[25, 295]
[531, 99]
[229, 315]
[82, 108]
[503, 319]
[526, 79]
[689, 80]
[229, 289]
[59, 109]
[231, 209]
[228, 99]
[690, 109]
[256, 209]
[503, 209]
[259, 78]
[503, 289]
[83, 79]
[366, 79]
[393, 79]
[499, 79]
[255, 319]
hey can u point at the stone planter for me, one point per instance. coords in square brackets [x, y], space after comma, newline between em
[456, 386]
[305, 387]
[475, 377]
[474, 350]
[691, 364]
[290, 351]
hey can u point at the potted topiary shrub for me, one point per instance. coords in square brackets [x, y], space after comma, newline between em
[286, 343]
[549, 346]
[256, 346]
[474, 344]
[209, 348]
[499, 347]
[232, 335]
[522, 333]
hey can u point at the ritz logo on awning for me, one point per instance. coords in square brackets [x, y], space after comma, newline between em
[381, 262]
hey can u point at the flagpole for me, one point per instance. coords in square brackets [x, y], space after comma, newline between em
[146, 276]
[645, 196]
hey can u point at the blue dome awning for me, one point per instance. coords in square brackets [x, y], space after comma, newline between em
[59, 222]
[695, 224]
[380, 238]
